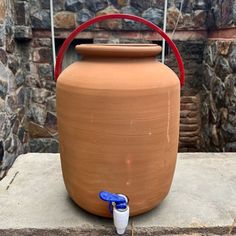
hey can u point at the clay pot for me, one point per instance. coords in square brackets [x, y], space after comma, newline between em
[118, 118]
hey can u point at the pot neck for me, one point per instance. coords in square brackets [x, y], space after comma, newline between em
[119, 51]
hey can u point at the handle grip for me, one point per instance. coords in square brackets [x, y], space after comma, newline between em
[73, 34]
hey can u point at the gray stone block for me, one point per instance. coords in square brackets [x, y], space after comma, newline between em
[22, 32]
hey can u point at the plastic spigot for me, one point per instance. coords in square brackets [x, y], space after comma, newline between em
[118, 206]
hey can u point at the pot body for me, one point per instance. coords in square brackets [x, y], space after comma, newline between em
[118, 121]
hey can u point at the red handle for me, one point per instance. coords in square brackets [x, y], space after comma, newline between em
[66, 44]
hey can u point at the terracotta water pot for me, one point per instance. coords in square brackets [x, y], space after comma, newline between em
[118, 120]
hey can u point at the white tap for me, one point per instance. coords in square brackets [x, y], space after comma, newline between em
[118, 205]
[121, 217]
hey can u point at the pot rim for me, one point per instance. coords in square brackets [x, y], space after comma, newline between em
[118, 50]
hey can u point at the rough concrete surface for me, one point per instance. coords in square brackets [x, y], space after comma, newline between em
[202, 200]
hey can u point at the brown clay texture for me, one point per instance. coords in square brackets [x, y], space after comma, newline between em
[118, 117]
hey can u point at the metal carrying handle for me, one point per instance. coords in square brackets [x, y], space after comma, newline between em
[73, 34]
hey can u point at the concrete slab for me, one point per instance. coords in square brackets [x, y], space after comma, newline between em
[33, 200]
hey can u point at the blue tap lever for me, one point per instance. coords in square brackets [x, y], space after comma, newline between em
[120, 201]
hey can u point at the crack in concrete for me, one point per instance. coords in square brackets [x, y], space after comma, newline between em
[8, 186]
[232, 227]
[132, 228]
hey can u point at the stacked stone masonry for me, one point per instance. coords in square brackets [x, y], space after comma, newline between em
[27, 89]
[71, 13]
[41, 116]
[14, 95]
[219, 97]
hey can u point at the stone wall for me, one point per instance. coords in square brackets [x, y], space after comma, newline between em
[71, 13]
[219, 96]
[27, 89]
[222, 13]
[41, 115]
[13, 94]
[218, 92]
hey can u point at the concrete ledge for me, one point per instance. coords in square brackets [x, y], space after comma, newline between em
[202, 200]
